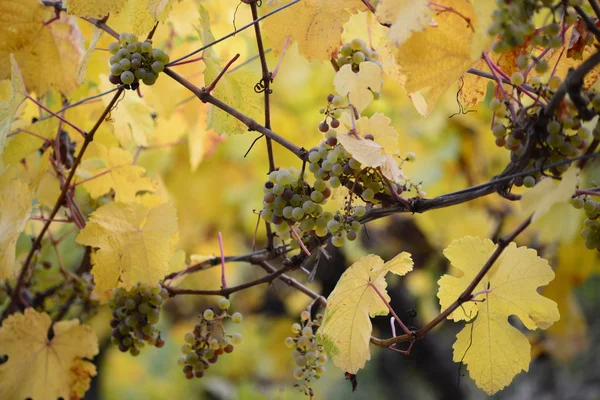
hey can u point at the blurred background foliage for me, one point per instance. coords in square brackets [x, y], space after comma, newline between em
[216, 188]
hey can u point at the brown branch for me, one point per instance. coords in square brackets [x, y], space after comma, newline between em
[59, 203]
[230, 290]
[102, 25]
[252, 125]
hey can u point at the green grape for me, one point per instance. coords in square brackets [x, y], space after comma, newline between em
[236, 338]
[314, 157]
[140, 73]
[146, 47]
[149, 79]
[116, 69]
[135, 64]
[577, 202]
[114, 47]
[337, 241]
[368, 195]
[499, 130]
[190, 338]
[553, 127]
[307, 331]
[517, 78]
[158, 66]
[288, 212]
[131, 38]
[346, 50]
[317, 196]
[305, 315]
[529, 181]
[125, 64]
[208, 314]
[299, 373]
[358, 44]
[337, 101]
[335, 182]
[236, 318]
[358, 57]
[320, 370]
[224, 303]
[298, 213]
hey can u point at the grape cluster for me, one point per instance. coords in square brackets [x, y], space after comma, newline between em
[513, 23]
[591, 232]
[308, 354]
[289, 199]
[208, 341]
[564, 137]
[133, 61]
[135, 315]
[356, 52]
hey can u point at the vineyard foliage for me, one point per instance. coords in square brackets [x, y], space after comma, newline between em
[171, 169]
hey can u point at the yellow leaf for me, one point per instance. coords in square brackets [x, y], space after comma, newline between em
[473, 88]
[20, 22]
[484, 11]
[15, 208]
[545, 194]
[134, 243]
[233, 89]
[357, 85]
[117, 174]
[368, 152]
[405, 17]
[434, 59]
[377, 125]
[94, 9]
[58, 47]
[495, 351]
[8, 107]
[346, 328]
[159, 9]
[315, 24]
[82, 67]
[41, 368]
[23, 143]
[131, 118]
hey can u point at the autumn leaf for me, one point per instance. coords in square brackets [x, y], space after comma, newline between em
[233, 88]
[405, 17]
[117, 173]
[545, 194]
[10, 102]
[44, 367]
[15, 208]
[58, 46]
[346, 328]
[82, 67]
[315, 24]
[24, 143]
[434, 59]
[134, 243]
[142, 14]
[493, 350]
[359, 86]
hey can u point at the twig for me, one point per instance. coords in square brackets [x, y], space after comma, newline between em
[389, 307]
[59, 202]
[211, 87]
[40, 105]
[223, 280]
[283, 7]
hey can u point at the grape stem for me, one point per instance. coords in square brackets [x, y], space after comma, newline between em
[221, 248]
[211, 87]
[40, 105]
[389, 307]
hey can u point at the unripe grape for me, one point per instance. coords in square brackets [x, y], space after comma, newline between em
[517, 78]
[224, 303]
[358, 57]
[304, 315]
[358, 44]
[337, 241]
[529, 181]
[236, 318]
[140, 73]
[299, 373]
[577, 202]
[522, 61]
[236, 338]
[541, 66]
[114, 48]
[158, 66]
[499, 130]
[410, 156]
[368, 195]
[554, 83]
[337, 101]
[307, 331]
[208, 314]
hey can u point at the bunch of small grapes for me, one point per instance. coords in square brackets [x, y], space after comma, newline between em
[591, 232]
[208, 341]
[133, 61]
[335, 105]
[513, 23]
[356, 52]
[308, 354]
[289, 199]
[78, 288]
[345, 226]
[135, 314]
[563, 138]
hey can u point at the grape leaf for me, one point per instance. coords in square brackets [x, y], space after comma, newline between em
[58, 46]
[493, 350]
[368, 152]
[20, 23]
[346, 328]
[134, 243]
[357, 84]
[233, 88]
[448, 53]
[315, 24]
[43, 367]
[141, 14]
[377, 125]
[545, 194]
[132, 119]
[405, 17]
[118, 173]
[82, 67]
[15, 208]
[10, 102]
[23, 143]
